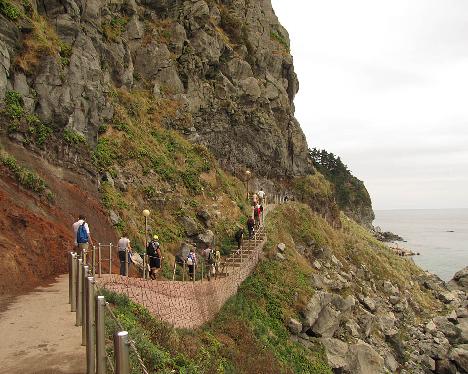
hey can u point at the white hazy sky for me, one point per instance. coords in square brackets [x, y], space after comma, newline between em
[384, 84]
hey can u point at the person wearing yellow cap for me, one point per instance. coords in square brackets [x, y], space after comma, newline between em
[153, 250]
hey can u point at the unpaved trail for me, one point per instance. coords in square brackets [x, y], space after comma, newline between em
[38, 333]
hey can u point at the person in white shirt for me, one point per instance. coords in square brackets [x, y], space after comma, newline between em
[84, 242]
[124, 255]
[261, 196]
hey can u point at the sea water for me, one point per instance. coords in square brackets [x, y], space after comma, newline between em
[440, 236]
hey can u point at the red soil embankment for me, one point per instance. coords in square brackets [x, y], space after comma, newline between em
[35, 235]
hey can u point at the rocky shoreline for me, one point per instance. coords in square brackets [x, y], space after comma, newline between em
[370, 331]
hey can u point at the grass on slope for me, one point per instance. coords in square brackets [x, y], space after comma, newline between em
[169, 175]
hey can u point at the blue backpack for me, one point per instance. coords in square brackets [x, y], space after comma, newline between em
[82, 234]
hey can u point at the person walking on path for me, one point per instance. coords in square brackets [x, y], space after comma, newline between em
[124, 256]
[251, 227]
[217, 263]
[239, 236]
[153, 250]
[192, 263]
[257, 213]
[82, 235]
[209, 255]
[261, 196]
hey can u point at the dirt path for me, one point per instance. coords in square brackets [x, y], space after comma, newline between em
[38, 333]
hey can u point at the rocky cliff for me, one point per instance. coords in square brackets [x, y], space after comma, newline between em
[224, 65]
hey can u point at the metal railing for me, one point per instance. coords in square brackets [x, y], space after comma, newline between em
[91, 311]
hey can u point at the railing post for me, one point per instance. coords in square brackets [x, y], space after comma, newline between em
[70, 259]
[144, 266]
[85, 257]
[90, 330]
[121, 353]
[74, 267]
[84, 313]
[100, 336]
[126, 262]
[183, 272]
[94, 260]
[110, 258]
[99, 260]
[194, 271]
[79, 292]
[202, 268]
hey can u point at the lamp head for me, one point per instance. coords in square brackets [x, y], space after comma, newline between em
[146, 213]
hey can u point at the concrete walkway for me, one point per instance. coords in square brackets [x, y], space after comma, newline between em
[38, 334]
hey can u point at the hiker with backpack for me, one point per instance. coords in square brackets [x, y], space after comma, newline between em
[209, 255]
[82, 235]
[192, 263]
[251, 227]
[125, 251]
[153, 250]
[239, 236]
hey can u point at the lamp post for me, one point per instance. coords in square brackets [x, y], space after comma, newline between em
[146, 214]
[247, 177]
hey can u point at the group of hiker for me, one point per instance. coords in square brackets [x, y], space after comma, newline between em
[212, 257]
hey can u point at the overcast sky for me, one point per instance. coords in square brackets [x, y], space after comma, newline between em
[384, 84]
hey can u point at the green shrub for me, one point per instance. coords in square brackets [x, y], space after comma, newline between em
[38, 130]
[9, 10]
[24, 176]
[279, 37]
[14, 104]
[65, 52]
[72, 137]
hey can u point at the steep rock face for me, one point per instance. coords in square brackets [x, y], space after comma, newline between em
[225, 63]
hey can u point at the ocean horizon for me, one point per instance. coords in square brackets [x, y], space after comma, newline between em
[439, 235]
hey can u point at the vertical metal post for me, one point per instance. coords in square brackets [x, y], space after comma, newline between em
[99, 260]
[79, 292]
[126, 262]
[121, 352]
[74, 269]
[90, 327]
[110, 258]
[183, 272]
[194, 272]
[144, 266]
[70, 257]
[84, 317]
[100, 336]
[94, 260]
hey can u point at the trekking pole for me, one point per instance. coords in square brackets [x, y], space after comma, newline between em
[79, 292]
[90, 327]
[84, 294]
[126, 262]
[74, 268]
[121, 352]
[70, 277]
[99, 261]
[110, 258]
[100, 336]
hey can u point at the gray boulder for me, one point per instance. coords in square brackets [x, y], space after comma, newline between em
[206, 238]
[459, 355]
[295, 326]
[336, 352]
[315, 306]
[327, 322]
[189, 225]
[363, 359]
[281, 247]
